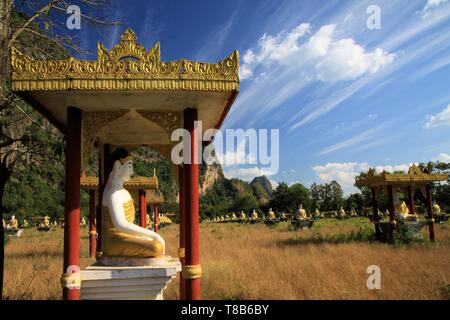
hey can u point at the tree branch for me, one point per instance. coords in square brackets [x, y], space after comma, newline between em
[30, 20]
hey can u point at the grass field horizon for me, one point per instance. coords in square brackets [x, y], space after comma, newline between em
[243, 261]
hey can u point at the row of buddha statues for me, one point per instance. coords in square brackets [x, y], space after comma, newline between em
[271, 216]
[45, 222]
[401, 212]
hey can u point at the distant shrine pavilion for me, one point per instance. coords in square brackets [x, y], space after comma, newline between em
[127, 98]
[392, 184]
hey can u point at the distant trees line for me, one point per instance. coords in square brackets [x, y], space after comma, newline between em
[234, 195]
[38, 190]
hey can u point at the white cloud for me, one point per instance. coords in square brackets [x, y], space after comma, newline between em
[274, 184]
[321, 55]
[444, 157]
[431, 4]
[246, 174]
[345, 172]
[442, 118]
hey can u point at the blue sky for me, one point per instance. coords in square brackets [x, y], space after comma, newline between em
[344, 97]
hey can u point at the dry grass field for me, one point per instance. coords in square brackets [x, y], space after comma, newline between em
[263, 262]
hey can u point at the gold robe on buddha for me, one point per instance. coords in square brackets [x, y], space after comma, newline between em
[116, 243]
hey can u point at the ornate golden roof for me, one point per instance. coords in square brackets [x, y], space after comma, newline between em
[89, 183]
[154, 197]
[128, 66]
[136, 183]
[414, 177]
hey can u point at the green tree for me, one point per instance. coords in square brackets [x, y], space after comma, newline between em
[298, 194]
[280, 197]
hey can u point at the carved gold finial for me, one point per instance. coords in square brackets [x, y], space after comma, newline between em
[128, 35]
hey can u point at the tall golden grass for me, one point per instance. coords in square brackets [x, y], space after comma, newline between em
[262, 262]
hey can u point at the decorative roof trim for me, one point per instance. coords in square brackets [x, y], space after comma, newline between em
[414, 177]
[128, 66]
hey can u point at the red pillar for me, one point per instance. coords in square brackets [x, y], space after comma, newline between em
[142, 208]
[430, 213]
[412, 210]
[71, 273]
[192, 267]
[391, 209]
[182, 249]
[104, 170]
[376, 217]
[155, 217]
[92, 226]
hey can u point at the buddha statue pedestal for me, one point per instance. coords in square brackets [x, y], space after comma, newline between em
[119, 282]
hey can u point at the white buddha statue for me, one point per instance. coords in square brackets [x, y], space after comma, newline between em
[342, 212]
[120, 236]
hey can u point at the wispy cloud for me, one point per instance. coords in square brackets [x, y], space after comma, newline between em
[440, 119]
[215, 40]
[357, 139]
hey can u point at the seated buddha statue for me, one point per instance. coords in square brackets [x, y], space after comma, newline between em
[254, 215]
[46, 222]
[341, 212]
[271, 215]
[83, 221]
[243, 216]
[436, 210]
[353, 213]
[120, 236]
[25, 223]
[403, 212]
[148, 222]
[300, 214]
[317, 213]
[233, 217]
[13, 223]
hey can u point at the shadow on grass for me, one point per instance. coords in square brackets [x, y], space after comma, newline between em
[361, 236]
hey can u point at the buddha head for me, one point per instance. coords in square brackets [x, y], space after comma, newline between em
[122, 165]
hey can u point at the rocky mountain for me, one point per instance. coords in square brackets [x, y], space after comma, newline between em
[262, 190]
[208, 175]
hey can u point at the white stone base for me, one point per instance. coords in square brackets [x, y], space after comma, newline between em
[128, 282]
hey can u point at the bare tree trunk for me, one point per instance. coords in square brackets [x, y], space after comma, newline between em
[5, 14]
[5, 173]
